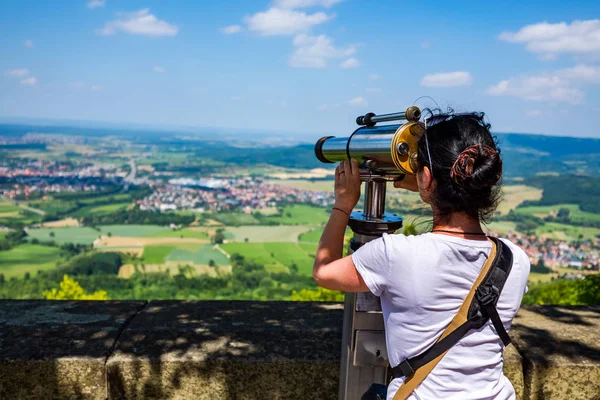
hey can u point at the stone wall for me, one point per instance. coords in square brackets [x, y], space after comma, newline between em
[245, 350]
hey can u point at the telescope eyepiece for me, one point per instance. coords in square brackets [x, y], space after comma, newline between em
[319, 150]
[402, 149]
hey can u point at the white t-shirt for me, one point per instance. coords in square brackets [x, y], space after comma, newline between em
[422, 282]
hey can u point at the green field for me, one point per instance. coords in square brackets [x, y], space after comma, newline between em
[28, 258]
[193, 252]
[502, 227]
[115, 198]
[180, 233]
[79, 235]
[6, 208]
[300, 214]
[275, 255]
[13, 214]
[156, 254]
[98, 209]
[53, 206]
[85, 206]
[576, 214]
[312, 236]
[108, 208]
[234, 219]
[136, 230]
[282, 233]
[202, 256]
[535, 277]
[566, 232]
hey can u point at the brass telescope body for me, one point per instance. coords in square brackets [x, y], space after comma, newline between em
[386, 151]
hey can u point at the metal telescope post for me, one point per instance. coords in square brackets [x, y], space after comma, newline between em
[364, 353]
[385, 153]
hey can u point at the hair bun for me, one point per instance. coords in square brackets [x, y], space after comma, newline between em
[477, 167]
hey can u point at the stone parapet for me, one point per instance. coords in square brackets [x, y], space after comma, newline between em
[245, 350]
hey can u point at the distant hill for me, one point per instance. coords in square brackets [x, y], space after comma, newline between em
[528, 155]
[524, 155]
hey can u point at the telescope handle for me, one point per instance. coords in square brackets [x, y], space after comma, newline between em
[412, 113]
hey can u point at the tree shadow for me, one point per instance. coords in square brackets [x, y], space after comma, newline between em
[572, 315]
[572, 332]
[228, 350]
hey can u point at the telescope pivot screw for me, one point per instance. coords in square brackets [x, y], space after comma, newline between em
[402, 148]
[413, 113]
[366, 119]
[370, 164]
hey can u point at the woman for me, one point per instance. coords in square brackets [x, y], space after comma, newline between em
[423, 280]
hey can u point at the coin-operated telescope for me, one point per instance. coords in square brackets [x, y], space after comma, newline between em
[384, 153]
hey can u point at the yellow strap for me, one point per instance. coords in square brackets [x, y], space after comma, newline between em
[460, 318]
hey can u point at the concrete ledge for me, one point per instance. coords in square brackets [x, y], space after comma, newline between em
[245, 350]
[560, 347]
[58, 349]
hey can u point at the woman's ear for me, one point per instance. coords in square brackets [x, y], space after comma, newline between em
[425, 183]
[425, 179]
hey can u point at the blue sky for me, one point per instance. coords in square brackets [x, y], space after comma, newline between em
[306, 67]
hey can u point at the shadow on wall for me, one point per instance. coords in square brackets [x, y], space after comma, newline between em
[228, 350]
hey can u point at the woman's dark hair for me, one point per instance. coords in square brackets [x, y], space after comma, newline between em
[466, 164]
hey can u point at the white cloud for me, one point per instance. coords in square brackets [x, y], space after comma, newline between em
[358, 101]
[375, 77]
[237, 98]
[29, 81]
[28, 43]
[562, 85]
[538, 88]
[139, 23]
[373, 90]
[76, 85]
[549, 40]
[581, 73]
[278, 21]
[447, 79]
[314, 51]
[96, 3]
[305, 3]
[18, 73]
[350, 63]
[96, 88]
[534, 113]
[231, 29]
[159, 69]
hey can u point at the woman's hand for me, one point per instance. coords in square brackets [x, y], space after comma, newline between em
[409, 182]
[347, 185]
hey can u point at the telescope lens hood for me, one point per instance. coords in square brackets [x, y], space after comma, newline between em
[319, 150]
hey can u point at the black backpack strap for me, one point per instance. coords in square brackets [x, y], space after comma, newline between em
[483, 308]
[488, 293]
